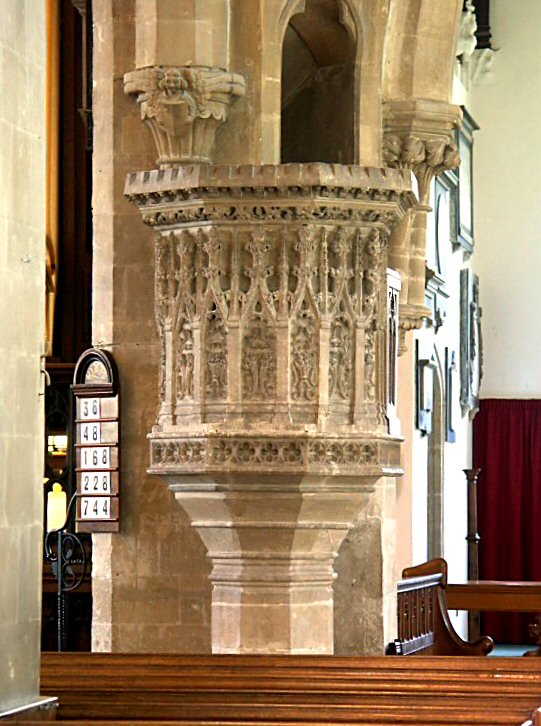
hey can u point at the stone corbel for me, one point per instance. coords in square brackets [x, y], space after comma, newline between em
[426, 157]
[418, 135]
[184, 106]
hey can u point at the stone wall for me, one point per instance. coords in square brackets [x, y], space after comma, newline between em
[22, 322]
[150, 585]
[151, 590]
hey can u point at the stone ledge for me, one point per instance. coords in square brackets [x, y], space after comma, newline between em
[37, 709]
[272, 176]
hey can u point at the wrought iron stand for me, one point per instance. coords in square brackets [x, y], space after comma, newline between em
[66, 553]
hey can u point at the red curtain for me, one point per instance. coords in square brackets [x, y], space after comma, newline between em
[507, 449]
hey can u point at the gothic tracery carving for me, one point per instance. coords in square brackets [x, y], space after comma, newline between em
[272, 311]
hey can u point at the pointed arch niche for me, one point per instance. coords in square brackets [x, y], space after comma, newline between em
[318, 85]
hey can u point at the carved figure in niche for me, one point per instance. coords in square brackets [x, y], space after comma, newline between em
[304, 352]
[392, 350]
[259, 361]
[216, 352]
[475, 341]
[471, 354]
[340, 357]
[370, 365]
[185, 363]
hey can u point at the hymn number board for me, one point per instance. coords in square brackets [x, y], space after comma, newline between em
[97, 439]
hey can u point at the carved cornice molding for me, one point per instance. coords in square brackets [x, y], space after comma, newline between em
[184, 106]
[418, 135]
[213, 454]
[278, 178]
[421, 117]
[289, 193]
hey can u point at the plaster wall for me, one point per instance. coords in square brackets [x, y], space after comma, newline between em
[412, 488]
[22, 322]
[507, 180]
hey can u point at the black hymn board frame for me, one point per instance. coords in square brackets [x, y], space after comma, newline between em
[96, 394]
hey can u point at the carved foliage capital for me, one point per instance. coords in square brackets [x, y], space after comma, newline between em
[184, 106]
[425, 157]
[411, 318]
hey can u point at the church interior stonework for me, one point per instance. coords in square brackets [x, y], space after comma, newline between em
[301, 239]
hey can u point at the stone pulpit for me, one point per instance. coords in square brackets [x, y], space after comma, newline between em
[277, 397]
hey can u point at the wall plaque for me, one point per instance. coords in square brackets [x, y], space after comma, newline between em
[97, 435]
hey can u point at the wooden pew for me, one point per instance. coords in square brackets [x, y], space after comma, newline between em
[167, 689]
[495, 595]
[424, 626]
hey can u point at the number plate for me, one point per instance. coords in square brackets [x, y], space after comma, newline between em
[92, 409]
[97, 457]
[95, 508]
[89, 408]
[97, 432]
[97, 482]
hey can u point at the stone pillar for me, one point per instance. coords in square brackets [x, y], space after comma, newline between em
[272, 540]
[150, 585]
[271, 303]
[23, 56]
[419, 135]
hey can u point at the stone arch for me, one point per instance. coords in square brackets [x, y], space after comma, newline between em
[420, 48]
[319, 75]
[348, 15]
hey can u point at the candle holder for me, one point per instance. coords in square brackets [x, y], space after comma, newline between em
[66, 553]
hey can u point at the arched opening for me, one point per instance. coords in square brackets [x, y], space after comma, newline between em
[436, 443]
[318, 75]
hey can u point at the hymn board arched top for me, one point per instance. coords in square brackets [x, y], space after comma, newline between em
[97, 435]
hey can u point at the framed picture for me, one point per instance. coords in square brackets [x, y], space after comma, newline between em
[425, 367]
[471, 343]
[439, 243]
[450, 369]
[465, 236]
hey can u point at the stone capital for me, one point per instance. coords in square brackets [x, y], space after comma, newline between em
[419, 135]
[184, 106]
[411, 318]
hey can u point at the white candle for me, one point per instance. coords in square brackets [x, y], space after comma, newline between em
[56, 508]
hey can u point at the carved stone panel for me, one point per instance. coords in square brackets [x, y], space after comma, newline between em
[278, 367]
[272, 303]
